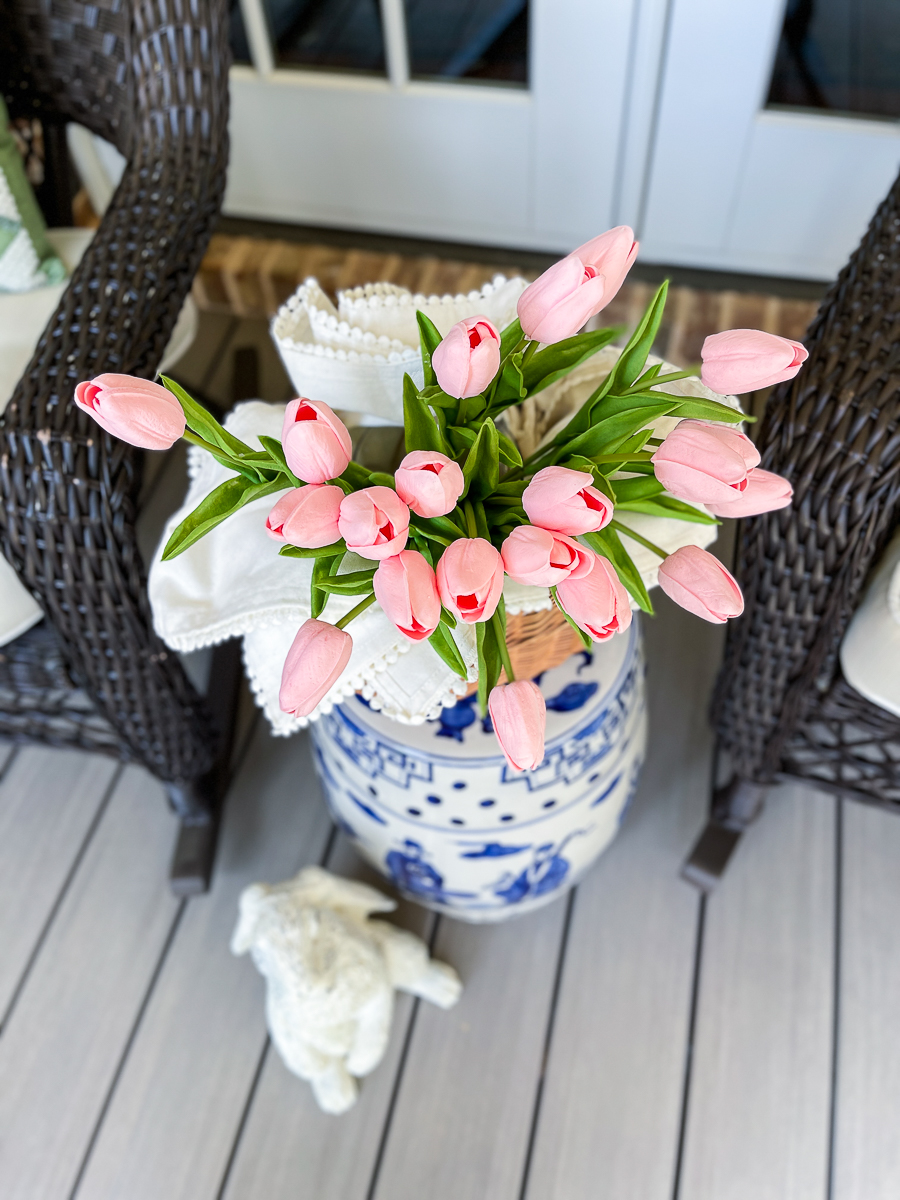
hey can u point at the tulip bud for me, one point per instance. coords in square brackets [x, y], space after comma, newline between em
[519, 716]
[307, 516]
[744, 360]
[406, 589]
[316, 443]
[765, 492]
[429, 482]
[698, 582]
[705, 462]
[135, 410]
[468, 358]
[315, 661]
[374, 522]
[470, 579]
[597, 603]
[544, 559]
[565, 501]
[559, 302]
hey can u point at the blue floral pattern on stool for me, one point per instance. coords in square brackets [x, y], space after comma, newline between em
[437, 809]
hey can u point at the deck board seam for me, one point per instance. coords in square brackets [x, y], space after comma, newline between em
[548, 1040]
[126, 1049]
[13, 755]
[92, 828]
[257, 1074]
[398, 1078]
[839, 803]
[689, 1045]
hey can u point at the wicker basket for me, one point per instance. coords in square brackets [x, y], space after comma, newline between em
[537, 642]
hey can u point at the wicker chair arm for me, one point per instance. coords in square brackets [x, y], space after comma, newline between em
[834, 431]
[67, 519]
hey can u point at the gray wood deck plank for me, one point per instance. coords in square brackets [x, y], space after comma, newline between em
[760, 1097]
[62, 1046]
[289, 1149]
[180, 1098]
[866, 1145]
[48, 801]
[463, 1116]
[6, 752]
[610, 1110]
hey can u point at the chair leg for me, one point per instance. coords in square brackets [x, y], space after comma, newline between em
[198, 802]
[735, 805]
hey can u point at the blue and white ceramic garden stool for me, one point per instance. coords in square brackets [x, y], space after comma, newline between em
[438, 811]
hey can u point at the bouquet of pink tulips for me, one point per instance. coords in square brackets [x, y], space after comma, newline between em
[463, 509]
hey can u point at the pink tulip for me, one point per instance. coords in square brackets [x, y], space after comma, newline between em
[317, 656]
[559, 302]
[765, 492]
[565, 501]
[470, 579]
[405, 588]
[705, 462]
[139, 412]
[544, 559]
[316, 442]
[699, 583]
[307, 516]
[597, 603]
[743, 360]
[430, 483]
[519, 716]
[374, 522]
[468, 358]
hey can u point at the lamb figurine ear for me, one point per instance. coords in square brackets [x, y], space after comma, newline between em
[316, 886]
[251, 902]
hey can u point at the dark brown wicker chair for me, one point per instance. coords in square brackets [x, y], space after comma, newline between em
[152, 78]
[782, 707]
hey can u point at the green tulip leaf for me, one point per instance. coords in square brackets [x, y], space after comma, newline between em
[608, 543]
[446, 649]
[638, 489]
[631, 361]
[556, 361]
[420, 426]
[204, 423]
[666, 506]
[339, 547]
[481, 470]
[221, 503]
[429, 339]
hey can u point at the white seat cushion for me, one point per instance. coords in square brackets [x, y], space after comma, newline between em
[870, 651]
[23, 316]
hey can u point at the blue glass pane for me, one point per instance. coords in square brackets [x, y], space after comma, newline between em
[468, 39]
[842, 55]
[337, 35]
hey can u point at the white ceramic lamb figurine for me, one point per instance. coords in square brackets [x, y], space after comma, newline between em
[330, 973]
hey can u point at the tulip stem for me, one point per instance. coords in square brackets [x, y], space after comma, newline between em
[623, 529]
[500, 634]
[196, 440]
[471, 523]
[354, 612]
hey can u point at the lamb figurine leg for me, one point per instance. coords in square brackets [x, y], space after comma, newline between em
[330, 976]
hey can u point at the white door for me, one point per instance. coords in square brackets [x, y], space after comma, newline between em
[486, 121]
[776, 133]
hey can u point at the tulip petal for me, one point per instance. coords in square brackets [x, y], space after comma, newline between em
[519, 716]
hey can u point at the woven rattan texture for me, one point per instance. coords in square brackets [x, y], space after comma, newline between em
[38, 701]
[537, 642]
[834, 431]
[153, 78]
